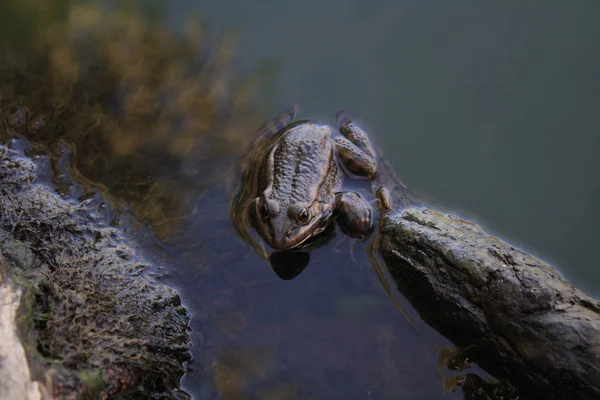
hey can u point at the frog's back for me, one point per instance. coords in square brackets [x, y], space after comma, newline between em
[301, 162]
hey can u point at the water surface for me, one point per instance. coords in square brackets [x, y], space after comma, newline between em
[488, 108]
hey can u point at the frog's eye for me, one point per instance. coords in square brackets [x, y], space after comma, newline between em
[303, 216]
[266, 207]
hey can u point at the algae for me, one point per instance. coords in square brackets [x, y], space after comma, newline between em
[89, 321]
[148, 115]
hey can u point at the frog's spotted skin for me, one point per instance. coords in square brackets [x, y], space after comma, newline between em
[300, 176]
[297, 163]
[292, 187]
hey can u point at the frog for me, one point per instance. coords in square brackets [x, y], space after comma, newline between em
[292, 188]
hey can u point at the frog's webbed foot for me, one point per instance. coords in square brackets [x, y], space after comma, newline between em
[354, 216]
[354, 149]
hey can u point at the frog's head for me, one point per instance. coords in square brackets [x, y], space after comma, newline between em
[285, 227]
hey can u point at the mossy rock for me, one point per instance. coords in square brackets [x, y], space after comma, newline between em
[92, 323]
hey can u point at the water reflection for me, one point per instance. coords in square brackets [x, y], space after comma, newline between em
[289, 264]
[153, 117]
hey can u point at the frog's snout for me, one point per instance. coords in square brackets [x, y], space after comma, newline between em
[280, 238]
[287, 237]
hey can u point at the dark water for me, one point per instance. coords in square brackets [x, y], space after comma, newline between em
[488, 108]
[329, 333]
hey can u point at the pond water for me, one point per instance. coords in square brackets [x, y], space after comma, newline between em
[488, 108]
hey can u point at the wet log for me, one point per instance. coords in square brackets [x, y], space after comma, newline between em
[513, 314]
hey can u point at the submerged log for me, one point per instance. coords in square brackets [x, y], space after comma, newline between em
[513, 314]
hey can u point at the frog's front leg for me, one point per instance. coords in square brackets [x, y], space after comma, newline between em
[354, 149]
[353, 214]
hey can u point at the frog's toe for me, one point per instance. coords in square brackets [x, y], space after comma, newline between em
[354, 216]
[384, 199]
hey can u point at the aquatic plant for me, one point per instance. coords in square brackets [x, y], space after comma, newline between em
[151, 114]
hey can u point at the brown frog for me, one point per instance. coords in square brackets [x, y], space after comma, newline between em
[292, 181]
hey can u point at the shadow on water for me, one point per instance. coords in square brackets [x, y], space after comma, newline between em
[156, 122]
[289, 264]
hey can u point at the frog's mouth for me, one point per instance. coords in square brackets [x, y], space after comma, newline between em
[285, 237]
[303, 241]
[313, 231]
[315, 237]
[292, 239]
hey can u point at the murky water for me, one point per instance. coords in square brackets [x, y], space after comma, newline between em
[487, 107]
[490, 109]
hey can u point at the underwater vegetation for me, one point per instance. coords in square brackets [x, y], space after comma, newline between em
[147, 116]
[130, 99]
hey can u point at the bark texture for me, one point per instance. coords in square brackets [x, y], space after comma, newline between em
[515, 315]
